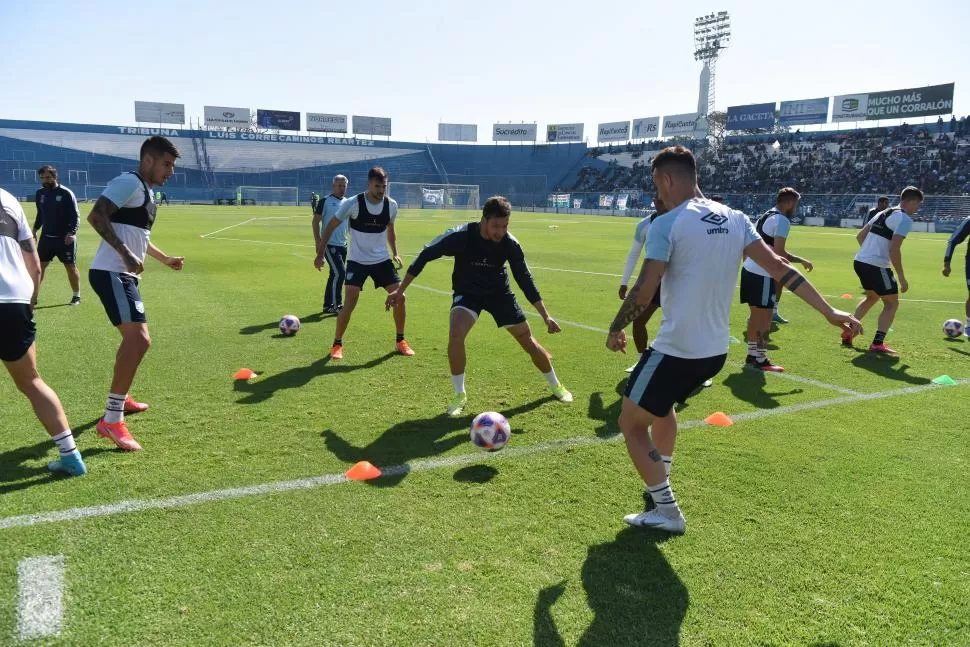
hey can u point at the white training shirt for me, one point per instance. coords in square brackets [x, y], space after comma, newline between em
[875, 248]
[367, 248]
[639, 242]
[702, 242]
[776, 225]
[16, 286]
[126, 190]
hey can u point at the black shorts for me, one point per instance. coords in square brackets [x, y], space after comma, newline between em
[504, 308]
[17, 331]
[119, 295]
[48, 248]
[660, 381]
[757, 291]
[383, 274]
[876, 279]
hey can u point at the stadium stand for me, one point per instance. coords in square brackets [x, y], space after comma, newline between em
[213, 164]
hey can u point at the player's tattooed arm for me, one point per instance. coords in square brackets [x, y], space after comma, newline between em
[100, 219]
[638, 298]
[27, 245]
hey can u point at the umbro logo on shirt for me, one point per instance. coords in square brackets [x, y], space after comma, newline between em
[717, 220]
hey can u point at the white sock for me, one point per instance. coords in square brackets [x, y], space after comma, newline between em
[663, 496]
[762, 355]
[65, 442]
[115, 410]
[77, 293]
[551, 378]
[752, 349]
[459, 382]
[668, 464]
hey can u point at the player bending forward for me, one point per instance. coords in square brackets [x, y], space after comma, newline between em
[480, 282]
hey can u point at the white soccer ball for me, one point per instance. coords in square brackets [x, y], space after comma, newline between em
[952, 328]
[289, 325]
[490, 431]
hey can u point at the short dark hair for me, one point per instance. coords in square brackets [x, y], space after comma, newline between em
[911, 192]
[47, 168]
[676, 159]
[377, 173]
[883, 198]
[718, 198]
[157, 146]
[786, 194]
[498, 206]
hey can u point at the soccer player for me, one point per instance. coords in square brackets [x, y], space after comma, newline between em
[881, 205]
[314, 199]
[59, 217]
[371, 216]
[20, 272]
[881, 241]
[480, 282]
[758, 289]
[123, 216]
[335, 248]
[639, 242]
[958, 236]
[696, 248]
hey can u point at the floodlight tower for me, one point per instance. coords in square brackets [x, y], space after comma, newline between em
[712, 35]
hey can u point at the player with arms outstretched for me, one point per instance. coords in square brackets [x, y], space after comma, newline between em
[480, 282]
[696, 248]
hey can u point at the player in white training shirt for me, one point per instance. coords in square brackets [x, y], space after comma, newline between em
[19, 281]
[696, 248]
[371, 215]
[124, 216]
[881, 242]
[758, 289]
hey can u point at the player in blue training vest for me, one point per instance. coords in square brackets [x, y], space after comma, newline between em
[880, 250]
[959, 235]
[696, 249]
[58, 217]
[334, 249]
[480, 282]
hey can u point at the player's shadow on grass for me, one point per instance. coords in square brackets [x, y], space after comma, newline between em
[15, 475]
[315, 317]
[886, 366]
[54, 305]
[263, 388]
[610, 415]
[414, 439]
[635, 595]
[960, 350]
[751, 387]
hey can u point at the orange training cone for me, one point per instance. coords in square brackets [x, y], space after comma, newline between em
[719, 419]
[846, 296]
[362, 471]
[244, 374]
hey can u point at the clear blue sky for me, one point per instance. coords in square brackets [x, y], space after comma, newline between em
[422, 62]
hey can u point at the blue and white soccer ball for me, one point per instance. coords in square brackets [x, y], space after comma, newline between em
[490, 431]
[952, 328]
[289, 325]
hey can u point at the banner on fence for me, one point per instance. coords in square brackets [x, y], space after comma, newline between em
[514, 132]
[278, 119]
[326, 123]
[804, 112]
[153, 112]
[758, 115]
[646, 128]
[380, 126]
[616, 131]
[223, 117]
[564, 133]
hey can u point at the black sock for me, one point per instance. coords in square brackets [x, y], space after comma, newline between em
[879, 338]
[337, 341]
[400, 337]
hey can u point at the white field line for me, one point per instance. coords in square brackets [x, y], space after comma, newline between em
[816, 383]
[260, 242]
[858, 297]
[127, 507]
[217, 231]
[40, 589]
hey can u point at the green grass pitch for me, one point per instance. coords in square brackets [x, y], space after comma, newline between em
[834, 512]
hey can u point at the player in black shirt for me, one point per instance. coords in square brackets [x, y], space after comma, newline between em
[881, 205]
[480, 282]
[59, 217]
